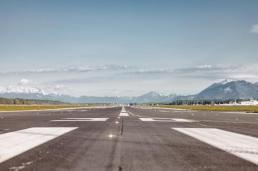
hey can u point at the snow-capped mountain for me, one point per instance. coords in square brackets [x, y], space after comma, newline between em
[230, 90]
[29, 92]
[226, 89]
[225, 81]
[40, 94]
[153, 97]
[21, 89]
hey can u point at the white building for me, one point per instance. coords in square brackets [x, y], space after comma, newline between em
[250, 102]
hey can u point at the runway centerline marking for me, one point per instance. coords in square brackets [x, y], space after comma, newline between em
[242, 146]
[15, 143]
[166, 120]
[80, 120]
[123, 112]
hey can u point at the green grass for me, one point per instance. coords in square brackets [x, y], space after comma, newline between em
[36, 107]
[250, 109]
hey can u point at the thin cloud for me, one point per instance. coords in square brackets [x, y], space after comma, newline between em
[123, 72]
[254, 28]
[244, 76]
[149, 71]
[206, 72]
[72, 69]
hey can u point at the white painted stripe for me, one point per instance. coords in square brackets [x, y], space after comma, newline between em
[123, 114]
[164, 111]
[15, 143]
[243, 146]
[130, 113]
[183, 120]
[80, 119]
[84, 110]
[146, 119]
[91, 119]
[72, 120]
[166, 120]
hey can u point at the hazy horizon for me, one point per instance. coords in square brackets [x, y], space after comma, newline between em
[127, 48]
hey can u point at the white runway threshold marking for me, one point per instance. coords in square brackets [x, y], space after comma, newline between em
[166, 120]
[243, 146]
[15, 143]
[80, 119]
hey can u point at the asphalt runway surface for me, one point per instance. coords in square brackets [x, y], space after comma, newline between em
[134, 139]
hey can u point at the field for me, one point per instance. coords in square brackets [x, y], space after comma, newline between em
[36, 107]
[249, 109]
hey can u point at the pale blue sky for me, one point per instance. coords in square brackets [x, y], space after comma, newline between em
[169, 36]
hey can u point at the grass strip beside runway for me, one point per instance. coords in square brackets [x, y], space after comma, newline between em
[36, 107]
[249, 109]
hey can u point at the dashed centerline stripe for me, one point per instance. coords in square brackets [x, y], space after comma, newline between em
[15, 143]
[242, 146]
[123, 112]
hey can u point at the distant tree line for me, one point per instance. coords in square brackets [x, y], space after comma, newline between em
[27, 101]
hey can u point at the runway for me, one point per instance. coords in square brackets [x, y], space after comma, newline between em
[130, 138]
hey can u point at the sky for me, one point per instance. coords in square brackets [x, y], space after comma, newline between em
[128, 47]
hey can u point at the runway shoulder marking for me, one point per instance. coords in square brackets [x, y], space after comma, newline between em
[80, 120]
[243, 146]
[166, 120]
[15, 143]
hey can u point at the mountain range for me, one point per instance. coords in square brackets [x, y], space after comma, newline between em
[230, 90]
[225, 90]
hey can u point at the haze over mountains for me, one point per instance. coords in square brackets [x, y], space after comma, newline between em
[225, 90]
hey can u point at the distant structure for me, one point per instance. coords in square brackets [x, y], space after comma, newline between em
[250, 102]
[241, 103]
